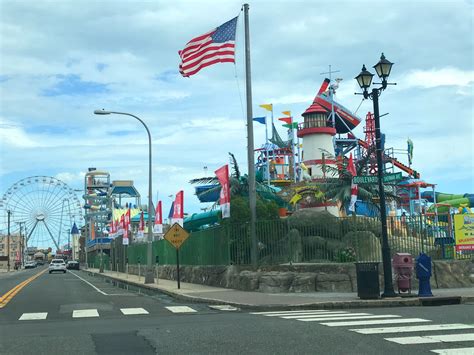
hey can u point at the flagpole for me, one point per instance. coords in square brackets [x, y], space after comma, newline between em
[293, 149]
[266, 151]
[250, 143]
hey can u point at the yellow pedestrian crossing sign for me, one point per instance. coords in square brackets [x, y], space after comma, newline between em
[176, 235]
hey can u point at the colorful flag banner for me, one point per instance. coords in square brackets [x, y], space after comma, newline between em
[260, 119]
[141, 226]
[158, 227]
[287, 120]
[288, 113]
[224, 200]
[268, 107]
[178, 212]
[354, 191]
[293, 125]
[351, 167]
[215, 46]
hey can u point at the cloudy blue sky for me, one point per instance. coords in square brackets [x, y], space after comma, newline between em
[60, 60]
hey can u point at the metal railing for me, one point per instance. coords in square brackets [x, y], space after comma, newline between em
[320, 240]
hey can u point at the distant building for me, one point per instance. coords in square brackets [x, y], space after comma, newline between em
[15, 250]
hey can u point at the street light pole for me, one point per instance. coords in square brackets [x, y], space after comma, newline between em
[386, 259]
[149, 275]
[364, 79]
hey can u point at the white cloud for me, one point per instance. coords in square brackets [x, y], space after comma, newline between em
[448, 76]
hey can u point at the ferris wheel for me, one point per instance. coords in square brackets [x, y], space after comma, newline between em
[41, 208]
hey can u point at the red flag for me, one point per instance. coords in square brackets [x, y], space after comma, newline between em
[224, 200]
[158, 227]
[215, 46]
[127, 220]
[287, 120]
[141, 224]
[354, 191]
[351, 167]
[178, 210]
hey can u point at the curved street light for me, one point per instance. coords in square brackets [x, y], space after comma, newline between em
[149, 275]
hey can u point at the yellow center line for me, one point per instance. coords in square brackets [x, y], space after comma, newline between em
[7, 297]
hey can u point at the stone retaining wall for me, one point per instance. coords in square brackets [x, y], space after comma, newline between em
[306, 277]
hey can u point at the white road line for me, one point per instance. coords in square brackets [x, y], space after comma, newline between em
[413, 328]
[372, 322]
[224, 307]
[33, 316]
[181, 309]
[348, 318]
[427, 339]
[132, 311]
[85, 313]
[458, 351]
[315, 314]
[87, 282]
[292, 312]
[331, 315]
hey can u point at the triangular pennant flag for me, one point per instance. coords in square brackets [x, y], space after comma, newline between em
[260, 119]
[288, 113]
[290, 126]
[287, 120]
[268, 107]
[351, 167]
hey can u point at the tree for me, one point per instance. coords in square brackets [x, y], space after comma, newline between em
[338, 181]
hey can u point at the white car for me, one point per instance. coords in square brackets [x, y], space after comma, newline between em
[57, 265]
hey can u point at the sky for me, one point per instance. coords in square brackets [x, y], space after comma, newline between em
[61, 60]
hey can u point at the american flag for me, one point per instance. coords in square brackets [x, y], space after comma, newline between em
[216, 46]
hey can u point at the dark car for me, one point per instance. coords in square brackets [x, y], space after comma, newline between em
[73, 265]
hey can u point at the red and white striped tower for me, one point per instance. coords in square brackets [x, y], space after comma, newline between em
[317, 133]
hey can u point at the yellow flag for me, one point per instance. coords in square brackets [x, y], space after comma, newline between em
[288, 113]
[268, 107]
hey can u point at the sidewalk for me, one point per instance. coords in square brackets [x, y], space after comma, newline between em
[279, 301]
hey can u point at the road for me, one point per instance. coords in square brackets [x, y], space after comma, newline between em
[76, 313]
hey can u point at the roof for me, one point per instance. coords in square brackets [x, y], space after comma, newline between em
[314, 108]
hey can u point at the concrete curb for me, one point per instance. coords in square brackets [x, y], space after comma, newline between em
[391, 302]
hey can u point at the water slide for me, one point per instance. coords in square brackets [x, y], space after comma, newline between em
[445, 201]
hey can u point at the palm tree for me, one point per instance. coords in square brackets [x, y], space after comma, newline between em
[239, 185]
[338, 181]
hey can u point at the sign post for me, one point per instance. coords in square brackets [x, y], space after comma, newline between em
[176, 236]
[372, 179]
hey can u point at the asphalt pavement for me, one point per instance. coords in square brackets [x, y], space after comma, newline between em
[79, 313]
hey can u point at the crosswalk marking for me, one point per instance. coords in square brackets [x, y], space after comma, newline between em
[85, 313]
[132, 311]
[303, 314]
[458, 351]
[372, 322]
[224, 307]
[427, 339]
[33, 316]
[181, 309]
[413, 328]
[332, 315]
[292, 312]
[349, 317]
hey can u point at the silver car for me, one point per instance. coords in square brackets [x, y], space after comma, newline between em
[57, 265]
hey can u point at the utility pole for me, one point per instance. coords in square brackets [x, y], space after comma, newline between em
[8, 241]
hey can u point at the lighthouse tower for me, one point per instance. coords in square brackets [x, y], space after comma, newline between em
[317, 133]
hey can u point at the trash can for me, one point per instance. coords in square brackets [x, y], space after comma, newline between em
[368, 285]
[403, 267]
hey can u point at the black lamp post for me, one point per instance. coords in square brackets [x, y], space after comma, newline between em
[364, 79]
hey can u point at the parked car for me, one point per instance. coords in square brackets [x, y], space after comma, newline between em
[72, 265]
[30, 264]
[57, 265]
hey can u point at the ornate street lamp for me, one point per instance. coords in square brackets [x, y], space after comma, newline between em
[364, 79]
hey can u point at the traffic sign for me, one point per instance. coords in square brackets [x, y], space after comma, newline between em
[373, 179]
[176, 235]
